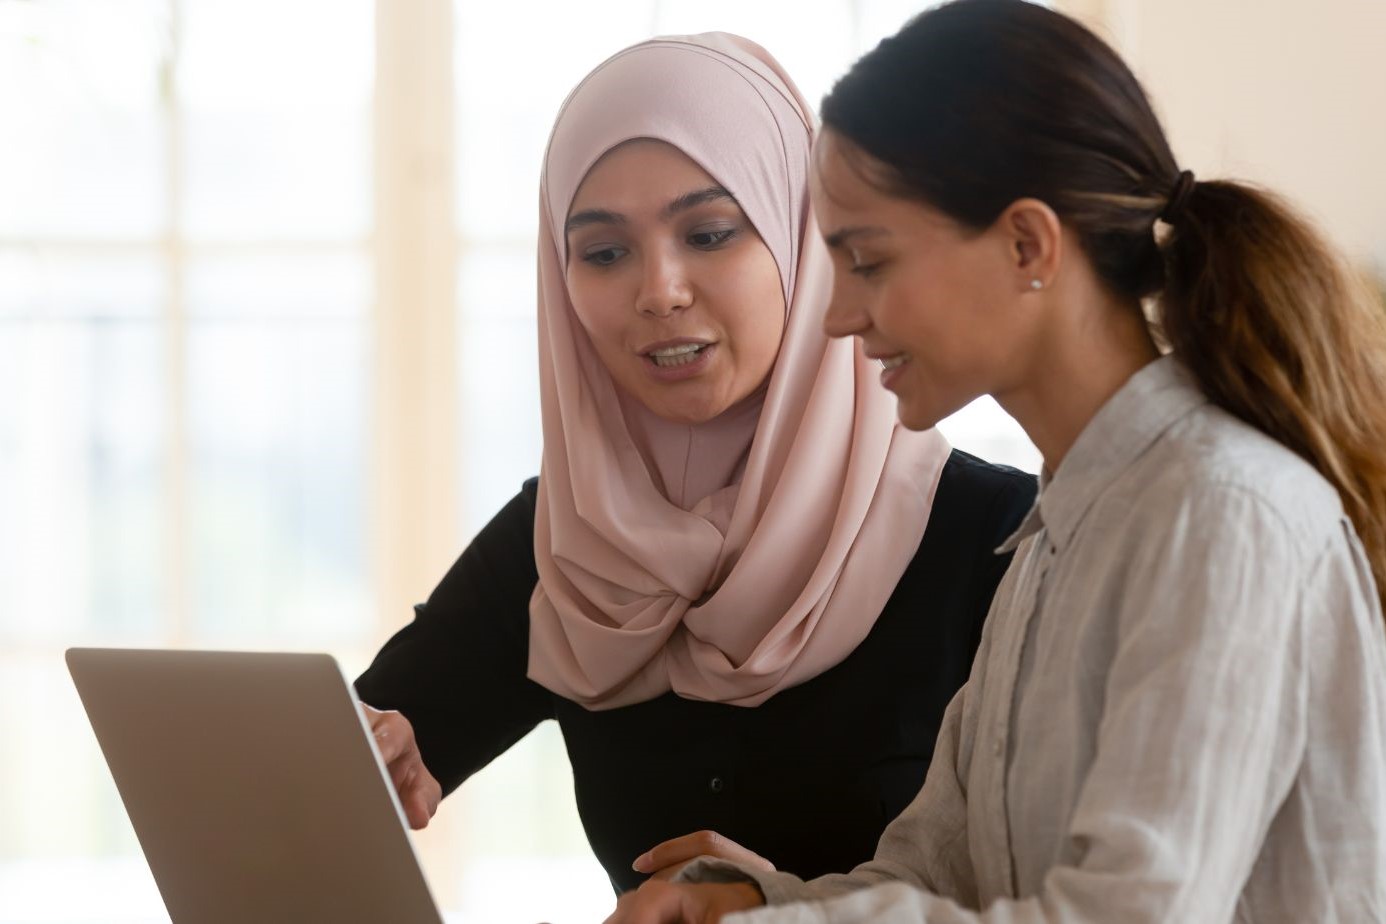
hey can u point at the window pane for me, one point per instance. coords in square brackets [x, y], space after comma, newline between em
[81, 481]
[56, 795]
[501, 136]
[46, 282]
[522, 826]
[815, 52]
[271, 55]
[497, 283]
[67, 850]
[277, 418]
[79, 100]
[280, 175]
[280, 286]
[498, 378]
[500, 407]
[277, 118]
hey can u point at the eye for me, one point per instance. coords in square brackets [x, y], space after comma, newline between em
[711, 239]
[603, 256]
[857, 265]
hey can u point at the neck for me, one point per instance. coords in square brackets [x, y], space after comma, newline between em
[1089, 347]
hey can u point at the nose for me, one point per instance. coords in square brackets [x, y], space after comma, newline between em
[845, 317]
[664, 285]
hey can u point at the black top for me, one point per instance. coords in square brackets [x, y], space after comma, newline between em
[808, 779]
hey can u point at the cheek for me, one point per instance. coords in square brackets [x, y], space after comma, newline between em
[752, 309]
[593, 304]
[765, 322]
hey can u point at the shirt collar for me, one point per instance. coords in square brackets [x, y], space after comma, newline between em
[1150, 402]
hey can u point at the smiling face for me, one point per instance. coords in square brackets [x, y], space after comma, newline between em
[937, 303]
[680, 296]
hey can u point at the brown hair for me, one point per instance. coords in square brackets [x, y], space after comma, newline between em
[977, 103]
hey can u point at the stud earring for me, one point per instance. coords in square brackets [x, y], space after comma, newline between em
[1036, 284]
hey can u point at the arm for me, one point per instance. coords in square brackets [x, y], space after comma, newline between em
[1201, 737]
[457, 672]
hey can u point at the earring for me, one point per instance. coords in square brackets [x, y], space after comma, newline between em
[1036, 284]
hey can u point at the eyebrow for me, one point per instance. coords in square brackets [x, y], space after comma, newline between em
[694, 199]
[841, 236]
[683, 203]
[592, 217]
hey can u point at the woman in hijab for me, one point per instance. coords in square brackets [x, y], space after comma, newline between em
[744, 592]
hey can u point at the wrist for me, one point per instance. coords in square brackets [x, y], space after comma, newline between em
[748, 894]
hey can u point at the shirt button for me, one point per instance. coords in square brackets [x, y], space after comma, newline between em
[715, 784]
[996, 749]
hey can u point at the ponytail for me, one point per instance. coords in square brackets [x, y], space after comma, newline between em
[1278, 332]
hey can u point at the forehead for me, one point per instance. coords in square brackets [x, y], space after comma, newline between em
[639, 172]
[835, 182]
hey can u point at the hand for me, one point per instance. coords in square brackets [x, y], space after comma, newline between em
[664, 861]
[660, 902]
[419, 792]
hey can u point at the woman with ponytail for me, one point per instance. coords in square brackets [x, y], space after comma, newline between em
[1178, 710]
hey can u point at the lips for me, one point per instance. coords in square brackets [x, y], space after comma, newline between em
[891, 365]
[678, 360]
[682, 355]
[670, 354]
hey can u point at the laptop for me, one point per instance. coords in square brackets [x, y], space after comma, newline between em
[254, 786]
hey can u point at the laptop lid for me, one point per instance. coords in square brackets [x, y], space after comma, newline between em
[253, 786]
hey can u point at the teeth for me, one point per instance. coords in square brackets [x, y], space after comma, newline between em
[677, 350]
[891, 362]
[680, 355]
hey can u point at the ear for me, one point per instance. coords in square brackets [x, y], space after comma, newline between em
[1034, 242]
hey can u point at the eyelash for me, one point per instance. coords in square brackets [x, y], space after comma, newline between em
[592, 257]
[866, 270]
[719, 238]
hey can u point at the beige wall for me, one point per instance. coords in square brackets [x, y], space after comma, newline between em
[1288, 93]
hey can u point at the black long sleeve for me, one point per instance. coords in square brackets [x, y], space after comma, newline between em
[808, 779]
[457, 672]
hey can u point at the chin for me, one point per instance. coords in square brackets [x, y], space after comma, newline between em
[917, 421]
[919, 415]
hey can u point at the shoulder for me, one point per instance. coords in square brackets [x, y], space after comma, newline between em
[966, 472]
[972, 490]
[505, 545]
[1231, 475]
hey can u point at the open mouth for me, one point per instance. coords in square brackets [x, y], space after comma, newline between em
[892, 362]
[681, 355]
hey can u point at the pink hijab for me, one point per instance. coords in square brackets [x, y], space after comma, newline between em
[729, 560]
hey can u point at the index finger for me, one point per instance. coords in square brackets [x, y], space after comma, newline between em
[698, 844]
[394, 736]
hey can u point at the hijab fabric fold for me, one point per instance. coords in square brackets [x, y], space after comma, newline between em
[732, 559]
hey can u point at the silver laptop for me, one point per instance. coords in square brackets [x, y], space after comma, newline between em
[253, 786]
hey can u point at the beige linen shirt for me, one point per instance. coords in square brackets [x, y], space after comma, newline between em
[1178, 710]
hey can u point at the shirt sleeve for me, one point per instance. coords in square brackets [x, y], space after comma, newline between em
[458, 671]
[1201, 737]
